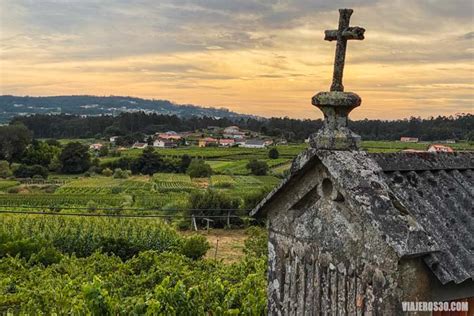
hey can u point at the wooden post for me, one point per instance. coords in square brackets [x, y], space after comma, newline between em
[193, 223]
[228, 219]
[217, 246]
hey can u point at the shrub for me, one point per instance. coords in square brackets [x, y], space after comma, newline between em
[199, 169]
[120, 174]
[195, 247]
[257, 167]
[5, 170]
[273, 153]
[107, 172]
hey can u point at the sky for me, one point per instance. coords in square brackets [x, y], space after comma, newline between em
[263, 57]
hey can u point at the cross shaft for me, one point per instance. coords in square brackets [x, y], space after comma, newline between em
[342, 35]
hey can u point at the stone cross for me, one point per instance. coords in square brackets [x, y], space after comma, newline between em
[342, 34]
[337, 104]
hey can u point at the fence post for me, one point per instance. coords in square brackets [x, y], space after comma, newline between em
[217, 246]
[193, 223]
[228, 219]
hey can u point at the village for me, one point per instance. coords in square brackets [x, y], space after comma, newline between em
[213, 136]
[233, 136]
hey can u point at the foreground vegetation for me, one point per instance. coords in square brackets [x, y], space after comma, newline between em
[56, 265]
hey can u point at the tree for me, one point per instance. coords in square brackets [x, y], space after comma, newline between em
[24, 171]
[199, 169]
[273, 153]
[149, 162]
[40, 153]
[75, 158]
[257, 167]
[13, 141]
[185, 162]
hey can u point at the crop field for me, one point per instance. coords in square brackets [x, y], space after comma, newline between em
[69, 265]
[167, 191]
[56, 201]
[163, 192]
[165, 182]
[106, 185]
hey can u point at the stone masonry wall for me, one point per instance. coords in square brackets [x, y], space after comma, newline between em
[323, 258]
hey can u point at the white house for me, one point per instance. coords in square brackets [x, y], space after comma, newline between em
[113, 139]
[164, 143]
[254, 143]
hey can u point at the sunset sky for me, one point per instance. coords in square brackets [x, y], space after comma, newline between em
[264, 57]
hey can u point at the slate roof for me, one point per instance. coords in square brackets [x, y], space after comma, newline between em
[421, 203]
[438, 190]
[255, 142]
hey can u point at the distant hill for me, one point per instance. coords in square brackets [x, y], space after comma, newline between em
[11, 106]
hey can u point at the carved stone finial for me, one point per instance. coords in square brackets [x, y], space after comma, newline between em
[337, 104]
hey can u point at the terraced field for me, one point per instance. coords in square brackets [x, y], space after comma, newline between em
[164, 191]
[106, 185]
[56, 201]
[165, 182]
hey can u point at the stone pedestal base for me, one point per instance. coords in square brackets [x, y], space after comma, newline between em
[336, 106]
[341, 139]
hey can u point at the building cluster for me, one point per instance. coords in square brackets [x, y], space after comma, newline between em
[213, 136]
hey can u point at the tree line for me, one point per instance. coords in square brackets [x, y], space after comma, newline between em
[459, 127]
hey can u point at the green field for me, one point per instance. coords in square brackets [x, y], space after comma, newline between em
[162, 191]
[168, 191]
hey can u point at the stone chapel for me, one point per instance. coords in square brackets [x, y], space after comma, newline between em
[353, 233]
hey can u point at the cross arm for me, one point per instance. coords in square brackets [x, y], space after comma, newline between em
[350, 33]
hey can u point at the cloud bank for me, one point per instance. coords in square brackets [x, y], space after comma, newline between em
[264, 57]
